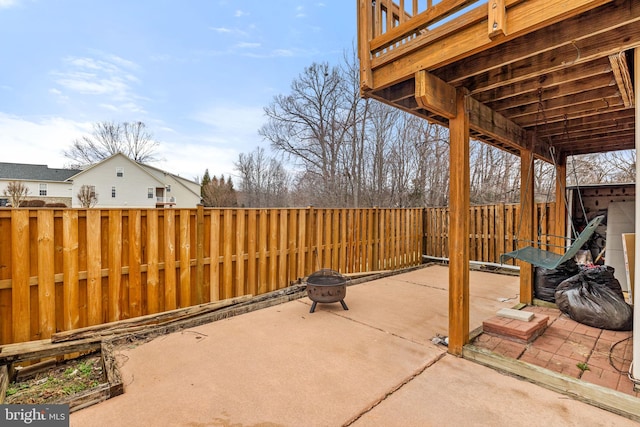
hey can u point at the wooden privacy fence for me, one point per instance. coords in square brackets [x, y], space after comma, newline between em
[493, 230]
[63, 269]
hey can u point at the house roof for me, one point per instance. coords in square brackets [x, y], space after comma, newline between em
[24, 171]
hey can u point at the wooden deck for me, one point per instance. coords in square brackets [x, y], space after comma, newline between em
[538, 74]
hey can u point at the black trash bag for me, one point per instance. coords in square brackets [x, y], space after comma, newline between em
[547, 280]
[603, 274]
[594, 304]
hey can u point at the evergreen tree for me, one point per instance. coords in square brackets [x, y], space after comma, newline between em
[219, 193]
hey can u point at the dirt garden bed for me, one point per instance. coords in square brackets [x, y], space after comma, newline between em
[56, 382]
[79, 374]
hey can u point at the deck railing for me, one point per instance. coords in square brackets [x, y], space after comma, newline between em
[390, 26]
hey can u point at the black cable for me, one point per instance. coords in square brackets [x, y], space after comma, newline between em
[620, 371]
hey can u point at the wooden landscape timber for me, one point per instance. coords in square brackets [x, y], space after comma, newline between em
[141, 322]
[602, 397]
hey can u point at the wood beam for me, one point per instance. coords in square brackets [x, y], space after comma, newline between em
[435, 95]
[601, 98]
[485, 121]
[593, 69]
[575, 40]
[577, 89]
[573, 53]
[459, 189]
[593, 108]
[470, 35]
[527, 205]
[623, 119]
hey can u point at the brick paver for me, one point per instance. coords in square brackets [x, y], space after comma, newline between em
[565, 344]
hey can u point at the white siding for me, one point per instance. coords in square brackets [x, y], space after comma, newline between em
[54, 188]
[132, 187]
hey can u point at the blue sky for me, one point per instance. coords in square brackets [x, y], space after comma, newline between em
[197, 72]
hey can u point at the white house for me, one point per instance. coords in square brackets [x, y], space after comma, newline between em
[42, 182]
[120, 182]
[117, 182]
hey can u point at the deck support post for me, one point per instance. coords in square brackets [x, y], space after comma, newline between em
[560, 216]
[459, 195]
[527, 204]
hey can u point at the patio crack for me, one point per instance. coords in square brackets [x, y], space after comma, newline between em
[394, 389]
[378, 329]
[439, 288]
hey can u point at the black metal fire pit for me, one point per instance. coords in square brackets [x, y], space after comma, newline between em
[326, 286]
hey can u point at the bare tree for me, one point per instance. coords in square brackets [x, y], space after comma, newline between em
[264, 182]
[622, 165]
[108, 138]
[308, 127]
[350, 151]
[87, 196]
[17, 192]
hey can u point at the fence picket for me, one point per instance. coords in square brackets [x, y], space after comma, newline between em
[46, 274]
[153, 270]
[20, 265]
[185, 258]
[135, 261]
[71, 286]
[170, 292]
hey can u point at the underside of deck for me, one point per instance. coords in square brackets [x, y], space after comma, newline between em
[542, 75]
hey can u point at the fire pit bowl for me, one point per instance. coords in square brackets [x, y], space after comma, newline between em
[326, 286]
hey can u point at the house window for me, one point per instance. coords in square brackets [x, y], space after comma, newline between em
[113, 192]
[168, 187]
[43, 190]
[150, 193]
[119, 172]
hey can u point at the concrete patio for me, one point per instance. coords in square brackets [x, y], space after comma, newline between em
[372, 365]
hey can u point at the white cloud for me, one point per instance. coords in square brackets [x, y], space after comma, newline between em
[283, 52]
[230, 31]
[106, 76]
[247, 45]
[5, 4]
[276, 53]
[39, 141]
[221, 29]
[233, 130]
[240, 13]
